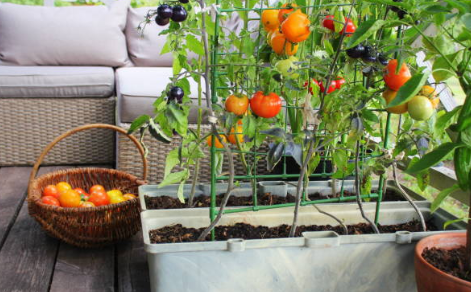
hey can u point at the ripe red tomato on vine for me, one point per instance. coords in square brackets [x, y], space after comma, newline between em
[265, 106]
[395, 81]
[237, 104]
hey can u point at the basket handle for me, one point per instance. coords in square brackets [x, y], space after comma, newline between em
[83, 128]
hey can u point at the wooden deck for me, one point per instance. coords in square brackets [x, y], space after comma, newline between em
[32, 261]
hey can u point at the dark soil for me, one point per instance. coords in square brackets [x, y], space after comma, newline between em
[448, 261]
[166, 202]
[178, 233]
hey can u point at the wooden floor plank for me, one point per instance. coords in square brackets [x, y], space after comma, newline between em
[28, 255]
[132, 272]
[83, 269]
[13, 185]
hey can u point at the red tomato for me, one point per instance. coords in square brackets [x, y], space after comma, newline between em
[99, 198]
[51, 190]
[395, 81]
[340, 82]
[310, 88]
[50, 200]
[332, 87]
[83, 194]
[351, 28]
[237, 104]
[328, 22]
[99, 188]
[265, 106]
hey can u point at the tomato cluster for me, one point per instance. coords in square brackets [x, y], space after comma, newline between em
[166, 12]
[334, 85]
[349, 27]
[421, 106]
[286, 28]
[63, 195]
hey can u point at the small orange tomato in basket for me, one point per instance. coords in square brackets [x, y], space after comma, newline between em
[50, 200]
[51, 191]
[99, 198]
[70, 199]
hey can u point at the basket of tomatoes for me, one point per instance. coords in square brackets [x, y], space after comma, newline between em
[86, 207]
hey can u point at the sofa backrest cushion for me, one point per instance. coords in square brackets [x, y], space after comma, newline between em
[88, 35]
[144, 46]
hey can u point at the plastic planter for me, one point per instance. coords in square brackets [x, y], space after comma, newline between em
[317, 261]
[279, 188]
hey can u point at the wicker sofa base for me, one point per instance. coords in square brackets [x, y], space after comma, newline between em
[28, 125]
[129, 160]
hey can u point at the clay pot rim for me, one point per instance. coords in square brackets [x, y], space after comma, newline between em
[418, 256]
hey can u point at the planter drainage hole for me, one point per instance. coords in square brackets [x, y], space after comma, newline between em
[236, 244]
[403, 237]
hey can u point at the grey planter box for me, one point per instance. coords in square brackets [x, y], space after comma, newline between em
[317, 261]
[245, 189]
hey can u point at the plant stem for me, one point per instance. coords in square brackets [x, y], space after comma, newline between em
[299, 187]
[358, 189]
[406, 196]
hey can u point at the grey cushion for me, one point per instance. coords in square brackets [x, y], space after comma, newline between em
[144, 47]
[60, 81]
[138, 87]
[85, 36]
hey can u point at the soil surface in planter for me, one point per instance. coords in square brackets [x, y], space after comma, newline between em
[166, 202]
[449, 261]
[178, 233]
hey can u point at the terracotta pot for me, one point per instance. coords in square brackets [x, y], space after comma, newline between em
[431, 279]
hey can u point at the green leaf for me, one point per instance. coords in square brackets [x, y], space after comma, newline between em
[138, 122]
[441, 69]
[445, 120]
[219, 162]
[157, 132]
[432, 158]
[171, 161]
[313, 163]
[449, 222]
[328, 47]
[177, 67]
[249, 125]
[442, 196]
[166, 48]
[409, 89]
[370, 116]
[177, 118]
[194, 45]
[173, 178]
[180, 195]
[364, 31]
[423, 180]
[465, 123]
[340, 159]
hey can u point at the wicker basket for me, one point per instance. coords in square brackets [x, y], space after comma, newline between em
[88, 227]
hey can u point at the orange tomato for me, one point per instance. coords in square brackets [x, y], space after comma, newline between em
[296, 27]
[236, 135]
[95, 188]
[270, 19]
[281, 45]
[237, 104]
[430, 92]
[128, 197]
[283, 13]
[50, 200]
[395, 81]
[51, 191]
[86, 205]
[99, 198]
[63, 187]
[389, 96]
[218, 143]
[70, 199]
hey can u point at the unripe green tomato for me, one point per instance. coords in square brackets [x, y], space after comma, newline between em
[420, 108]
[287, 67]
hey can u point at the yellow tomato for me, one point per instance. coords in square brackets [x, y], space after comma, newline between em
[117, 199]
[389, 95]
[63, 187]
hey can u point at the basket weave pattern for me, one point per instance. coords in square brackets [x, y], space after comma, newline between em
[29, 124]
[88, 227]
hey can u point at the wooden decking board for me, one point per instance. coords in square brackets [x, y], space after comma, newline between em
[84, 269]
[28, 255]
[132, 265]
[13, 187]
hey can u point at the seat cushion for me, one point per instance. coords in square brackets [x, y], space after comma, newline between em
[138, 87]
[60, 81]
[71, 36]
